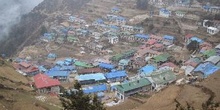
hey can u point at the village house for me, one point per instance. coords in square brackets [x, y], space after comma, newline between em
[89, 70]
[80, 65]
[124, 55]
[56, 73]
[48, 37]
[162, 58]
[209, 53]
[117, 20]
[211, 9]
[91, 78]
[95, 89]
[194, 61]
[72, 39]
[217, 49]
[26, 68]
[127, 89]
[44, 84]
[60, 40]
[171, 66]
[147, 70]
[203, 70]
[165, 13]
[213, 59]
[116, 76]
[185, 3]
[51, 56]
[161, 79]
[98, 21]
[107, 66]
[123, 63]
[168, 38]
[113, 39]
[180, 14]
[115, 10]
[212, 30]
[141, 37]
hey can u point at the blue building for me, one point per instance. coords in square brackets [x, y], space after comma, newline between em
[165, 13]
[90, 78]
[106, 66]
[57, 74]
[141, 37]
[95, 89]
[116, 76]
[203, 70]
[147, 70]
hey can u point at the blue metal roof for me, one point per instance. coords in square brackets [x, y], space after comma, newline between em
[100, 94]
[114, 27]
[96, 77]
[115, 74]
[206, 68]
[144, 36]
[52, 73]
[95, 89]
[106, 66]
[68, 60]
[115, 9]
[60, 63]
[42, 68]
[165, 11]
[168, 37]
[51, 55]
[146, 70]
[99, 20]
[196, 39]
[67, 68]
[121, 18]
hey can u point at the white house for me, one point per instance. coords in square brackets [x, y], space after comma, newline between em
[113, 39]
[212, 30]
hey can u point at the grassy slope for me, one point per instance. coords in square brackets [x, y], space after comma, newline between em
[15, 94]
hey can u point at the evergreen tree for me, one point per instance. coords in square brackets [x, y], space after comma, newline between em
[77, 100]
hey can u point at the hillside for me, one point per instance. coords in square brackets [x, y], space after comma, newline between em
[15, 92]
[195, 96]
[30, 26]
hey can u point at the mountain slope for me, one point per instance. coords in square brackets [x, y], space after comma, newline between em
[15, 92]
[29, 28]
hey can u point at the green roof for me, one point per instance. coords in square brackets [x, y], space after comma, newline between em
[162, 57]
[82, 64]
[163, 77]
[118, 57]
[210, 53]
[133, 85]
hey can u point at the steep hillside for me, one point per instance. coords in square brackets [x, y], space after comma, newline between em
[29, 28]
[15, 92]
[197, 96]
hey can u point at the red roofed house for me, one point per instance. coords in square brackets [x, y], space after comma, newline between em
[26, 68]
[157, 47]
[45, 84]
[171, 65]
[188, 36]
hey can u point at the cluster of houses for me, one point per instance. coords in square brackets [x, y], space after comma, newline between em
[153, 65]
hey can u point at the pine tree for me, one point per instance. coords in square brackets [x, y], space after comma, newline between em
[77, 100]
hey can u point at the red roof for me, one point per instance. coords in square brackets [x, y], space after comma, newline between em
[158, 45]
[151, 41]
[89, 70]
[25, 64]
[31, 69]
[188, 36]
[43, 81]
[170, 64]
